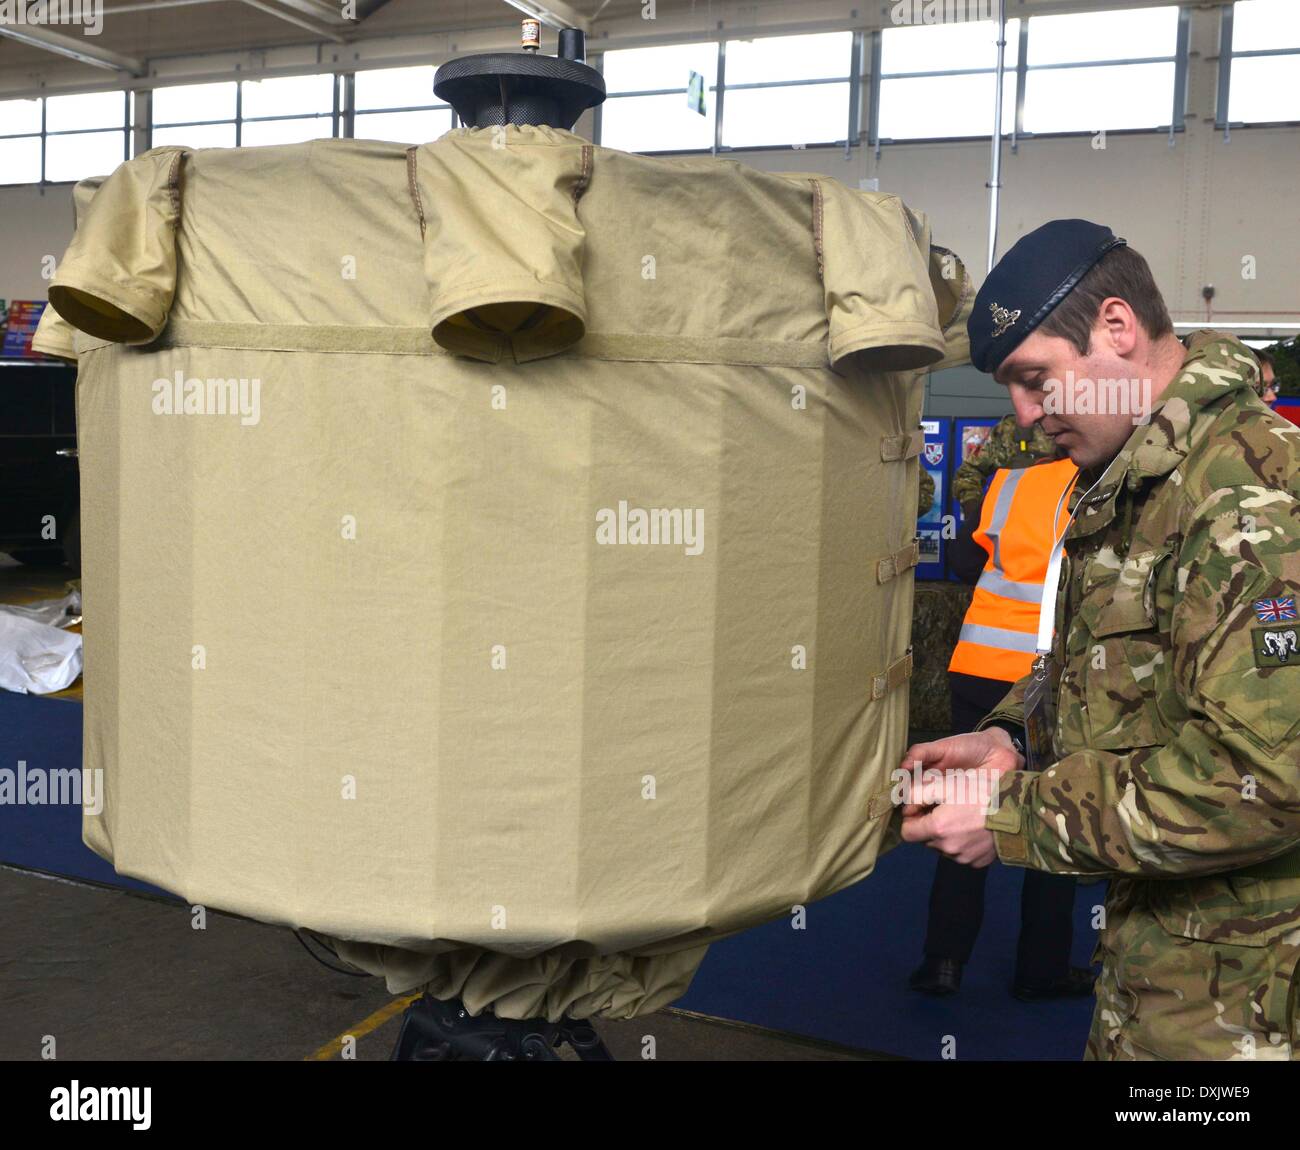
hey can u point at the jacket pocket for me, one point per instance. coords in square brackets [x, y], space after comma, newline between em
[1237, 942]
[1224, 909]
[1126, 665]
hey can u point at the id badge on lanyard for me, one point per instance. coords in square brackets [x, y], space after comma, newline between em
[1045, 674]
[1040, 712]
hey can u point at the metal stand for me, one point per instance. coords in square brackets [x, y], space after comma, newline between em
[437, 1030]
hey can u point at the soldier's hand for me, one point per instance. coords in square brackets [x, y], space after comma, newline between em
[990, 753]
[955, 830]
[958, 776]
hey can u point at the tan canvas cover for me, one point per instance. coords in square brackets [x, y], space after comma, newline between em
[54, 335]
[497, 553]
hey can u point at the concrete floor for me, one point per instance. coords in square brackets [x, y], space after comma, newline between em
[113, 975]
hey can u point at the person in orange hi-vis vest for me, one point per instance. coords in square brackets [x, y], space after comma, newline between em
[1007, 551]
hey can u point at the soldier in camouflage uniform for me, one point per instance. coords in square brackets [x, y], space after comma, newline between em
[1175, 764]
[926, 498]
[1008, 445]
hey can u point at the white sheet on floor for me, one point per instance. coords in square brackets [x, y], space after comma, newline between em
[36, 658]
[52, 612]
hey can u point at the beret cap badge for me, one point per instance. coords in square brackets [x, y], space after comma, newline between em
[1003, 318]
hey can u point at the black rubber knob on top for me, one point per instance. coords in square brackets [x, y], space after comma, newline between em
[573, 44]
[518, 88]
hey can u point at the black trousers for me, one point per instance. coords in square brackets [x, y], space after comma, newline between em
[957, 896]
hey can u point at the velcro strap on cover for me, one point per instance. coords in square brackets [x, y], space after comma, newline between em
[901, 560]
[895, 675]
[898, 447]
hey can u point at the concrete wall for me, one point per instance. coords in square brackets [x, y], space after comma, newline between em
[34, 222]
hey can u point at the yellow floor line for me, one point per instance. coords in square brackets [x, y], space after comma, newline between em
[334, 1046]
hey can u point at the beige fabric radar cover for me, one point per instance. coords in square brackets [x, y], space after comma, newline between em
[54, 335]
[497, 553]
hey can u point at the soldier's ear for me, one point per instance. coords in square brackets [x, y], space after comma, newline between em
[1117, 327]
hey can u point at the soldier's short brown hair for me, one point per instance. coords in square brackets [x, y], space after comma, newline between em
[1123, 273]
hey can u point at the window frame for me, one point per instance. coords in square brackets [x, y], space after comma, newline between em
[716, 88]
[878, 76]
[39, 135]
[126, 128]
[349, 111]
[238, 120]
[1224, 95]
[862, 117]
[1178, 108]
[1016, 132]
[218, 121]
[720, 88]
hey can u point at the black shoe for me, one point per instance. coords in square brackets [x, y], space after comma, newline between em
[1077, 983]
[434, 1030]
[939, 976]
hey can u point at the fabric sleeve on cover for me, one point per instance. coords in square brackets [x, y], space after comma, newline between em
[880, 305]
[53, 336]
[955, 295]
[118, 276]
[503, 246]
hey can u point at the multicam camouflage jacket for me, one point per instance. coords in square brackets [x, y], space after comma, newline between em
[1006, 446]
[925, 500]
[1177, 737]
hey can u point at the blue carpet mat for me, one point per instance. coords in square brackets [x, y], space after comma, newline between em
[842, 978]
[46, 734]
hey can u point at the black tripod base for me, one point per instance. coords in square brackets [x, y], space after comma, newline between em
[437, 1030]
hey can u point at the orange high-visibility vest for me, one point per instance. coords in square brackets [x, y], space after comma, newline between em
[1019, 522]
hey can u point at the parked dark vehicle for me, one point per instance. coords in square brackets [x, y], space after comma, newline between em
[40, 492]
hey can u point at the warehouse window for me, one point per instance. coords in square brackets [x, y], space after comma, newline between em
[1259, 58]
[86, 135]
[938, 81]
[245, 113]
[771, 92]
[196, 115]
[647, 109]
[288, 110]
[398, 104]
[784, 90]
[20, 143]
[1102, 70]
[60, 139]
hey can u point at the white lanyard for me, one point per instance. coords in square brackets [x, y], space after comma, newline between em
[1047, 608]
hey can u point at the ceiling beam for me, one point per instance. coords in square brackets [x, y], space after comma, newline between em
[321, 10]
[74, 47]
[151, 6]
[314, 26]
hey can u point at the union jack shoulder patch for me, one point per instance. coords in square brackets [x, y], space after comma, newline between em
[1275, 610]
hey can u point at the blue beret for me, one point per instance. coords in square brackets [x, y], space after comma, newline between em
[1026, 283]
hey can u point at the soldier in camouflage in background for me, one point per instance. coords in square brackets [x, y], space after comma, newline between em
[1008, 445]
[1173, 756]
[926, 498]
